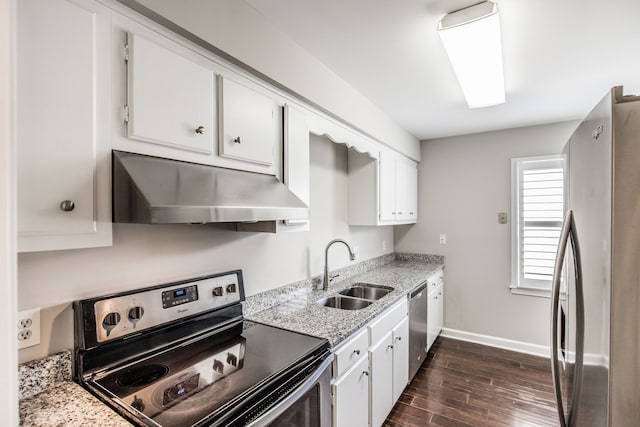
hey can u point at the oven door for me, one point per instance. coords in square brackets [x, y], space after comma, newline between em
[307, 406]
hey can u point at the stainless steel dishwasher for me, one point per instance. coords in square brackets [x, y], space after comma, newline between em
[417, 328]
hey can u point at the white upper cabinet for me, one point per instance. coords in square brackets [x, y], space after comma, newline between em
[174, 99]
[63, 127]
[247, 123]
[382, 191]
[171, 94]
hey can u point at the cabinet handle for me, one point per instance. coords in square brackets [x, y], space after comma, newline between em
[398, 338]
[356, 352]
[390, 346]
[410, 213]
[67, 205]
[399, 213]
[393, 213]
[436, 297]
[200, 130]
[238, 140]
[439, 293]
[366, 373]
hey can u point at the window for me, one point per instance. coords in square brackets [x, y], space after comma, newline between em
[537, 208]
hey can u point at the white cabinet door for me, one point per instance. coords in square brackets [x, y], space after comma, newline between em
[400, 335]
[63, 155]
[435, 312]
[351, 396]
[247, 123]
[171, 93]
[406, 188]
[412, 191]
[296, 161]
[401, 190]
[381, 358]
[387, 186]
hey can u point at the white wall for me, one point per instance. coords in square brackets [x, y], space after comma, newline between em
[144, 255]
[236, 28]
[464, 182]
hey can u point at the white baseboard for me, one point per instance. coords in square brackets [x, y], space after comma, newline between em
[519, 346]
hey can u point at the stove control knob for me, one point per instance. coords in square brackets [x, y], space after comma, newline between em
[135, 314]
[110, 321]
[137, 404]
[231, 288]
[232, 359]
[218, 366]
[217, 291]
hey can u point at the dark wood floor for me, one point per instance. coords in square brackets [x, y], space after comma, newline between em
[466, 384]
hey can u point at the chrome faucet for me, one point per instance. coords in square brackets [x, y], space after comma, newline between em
[352, 256]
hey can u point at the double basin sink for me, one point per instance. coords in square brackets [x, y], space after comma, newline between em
[356, 297]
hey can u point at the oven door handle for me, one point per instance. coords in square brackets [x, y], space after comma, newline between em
[302, 389]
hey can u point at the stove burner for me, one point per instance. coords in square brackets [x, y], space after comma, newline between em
[138, 376]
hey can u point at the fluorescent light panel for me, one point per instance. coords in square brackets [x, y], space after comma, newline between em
[471, 37]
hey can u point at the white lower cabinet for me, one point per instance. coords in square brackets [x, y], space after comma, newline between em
[351, 396]
[400, 335]
[381, 359]
[435, 307]
[372, 367]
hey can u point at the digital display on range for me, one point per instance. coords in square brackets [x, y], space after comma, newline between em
[179, 296]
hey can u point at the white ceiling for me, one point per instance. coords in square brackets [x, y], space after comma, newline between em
[560, 57]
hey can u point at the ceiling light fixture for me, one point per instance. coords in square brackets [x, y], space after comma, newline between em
[471, 37]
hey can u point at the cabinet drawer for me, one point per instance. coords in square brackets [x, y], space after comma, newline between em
[350, 352]
[382, 325]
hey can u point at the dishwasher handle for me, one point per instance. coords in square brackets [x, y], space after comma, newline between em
[416, 292]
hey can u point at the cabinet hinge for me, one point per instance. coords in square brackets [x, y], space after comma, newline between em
[126, 53]
[125, 114]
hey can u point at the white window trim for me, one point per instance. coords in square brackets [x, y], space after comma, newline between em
[515, 287]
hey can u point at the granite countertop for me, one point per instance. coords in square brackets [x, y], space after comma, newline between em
[300, 313]
[49, 398]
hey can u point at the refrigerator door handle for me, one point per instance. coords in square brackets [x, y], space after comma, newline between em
[568, 233]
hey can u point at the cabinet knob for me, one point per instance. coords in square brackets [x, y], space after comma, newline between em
[200, 130]
[366, 373]
[398, 338]
[399, 213]
[390, 346]
[238, 140]
[410, 213]
[393, 213]
[67, 205]
[356, 352]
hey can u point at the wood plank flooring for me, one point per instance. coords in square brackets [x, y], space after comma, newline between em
[466, 384]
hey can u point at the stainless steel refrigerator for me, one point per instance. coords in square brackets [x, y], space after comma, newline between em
[595, 334]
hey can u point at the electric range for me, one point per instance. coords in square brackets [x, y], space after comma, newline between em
[181, 354]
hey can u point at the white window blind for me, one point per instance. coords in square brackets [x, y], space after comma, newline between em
[538, 187]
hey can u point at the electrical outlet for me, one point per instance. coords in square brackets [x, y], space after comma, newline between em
[28, 328]
[443, 239]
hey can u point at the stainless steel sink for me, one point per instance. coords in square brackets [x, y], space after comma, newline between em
[344, 303]
[367, 291]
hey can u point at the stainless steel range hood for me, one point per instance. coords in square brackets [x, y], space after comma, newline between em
[153, 190]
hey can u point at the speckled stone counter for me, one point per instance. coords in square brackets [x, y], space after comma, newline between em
[295, 306]
[49, 398]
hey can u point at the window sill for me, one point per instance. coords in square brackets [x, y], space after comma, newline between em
[534, 292]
